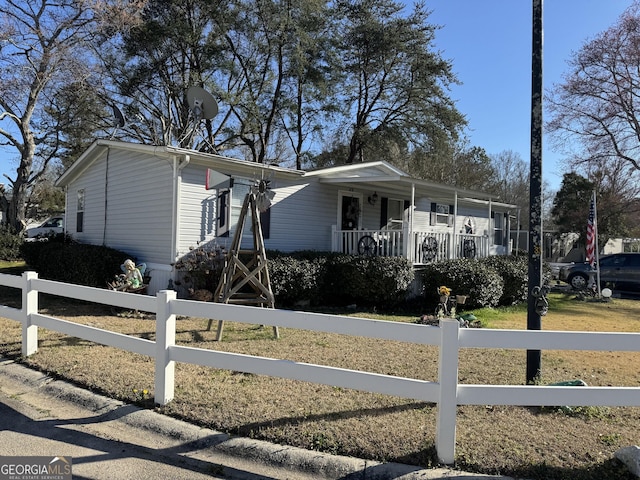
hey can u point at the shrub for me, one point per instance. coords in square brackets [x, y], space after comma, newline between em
[200, 269]
[514, 272]
[482, 285]
[338, 280]
[65, 261]
[342, 279]
[294, 280]
[389, 279]
[300, 254]
[10, 242]
[370, 281]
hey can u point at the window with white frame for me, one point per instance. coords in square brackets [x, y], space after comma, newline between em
[441, 214]
[498, 228]
[238, 194]
[229, 206]
[80, 211]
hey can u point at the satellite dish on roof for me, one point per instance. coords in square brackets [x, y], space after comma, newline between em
[202, 104]
[119, 117]
[119, 120]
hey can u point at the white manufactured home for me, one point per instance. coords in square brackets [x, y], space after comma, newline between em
[153, 203]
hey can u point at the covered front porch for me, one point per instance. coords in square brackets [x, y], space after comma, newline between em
[381, 210]
[419, 247]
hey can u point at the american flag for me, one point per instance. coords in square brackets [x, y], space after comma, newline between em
[592, 232]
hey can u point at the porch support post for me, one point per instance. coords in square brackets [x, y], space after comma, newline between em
[334, 238]
[410, 253]
[453, 246]
[490, 232]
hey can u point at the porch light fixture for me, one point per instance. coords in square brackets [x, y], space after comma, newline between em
[373, 198]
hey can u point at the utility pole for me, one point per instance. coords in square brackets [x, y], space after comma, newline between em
[534, 311]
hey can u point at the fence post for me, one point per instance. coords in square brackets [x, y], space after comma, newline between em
[165, 338]
[29, 307]
[448, 380]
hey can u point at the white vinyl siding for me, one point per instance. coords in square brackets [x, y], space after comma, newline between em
[93, 183]
[137, 206]
[197, 211]
[479, 216]
[301, 215]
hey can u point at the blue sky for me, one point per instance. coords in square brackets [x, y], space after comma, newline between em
[489, 43]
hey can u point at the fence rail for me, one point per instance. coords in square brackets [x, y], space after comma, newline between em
[449, 337]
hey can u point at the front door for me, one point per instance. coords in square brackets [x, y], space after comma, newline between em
[350, 211]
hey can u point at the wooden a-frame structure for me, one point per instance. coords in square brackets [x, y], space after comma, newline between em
[245, 276]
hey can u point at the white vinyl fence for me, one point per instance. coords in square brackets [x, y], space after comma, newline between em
[446, 392]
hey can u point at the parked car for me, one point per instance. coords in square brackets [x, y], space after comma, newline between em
[620, 271]
[50, 226]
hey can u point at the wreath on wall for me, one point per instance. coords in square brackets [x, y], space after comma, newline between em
[469, 225]
[353, 212]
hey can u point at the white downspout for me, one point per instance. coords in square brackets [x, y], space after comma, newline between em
[178, 166]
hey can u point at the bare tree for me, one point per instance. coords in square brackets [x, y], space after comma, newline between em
[511, 181]
[41, 48]
[595, 110]
[510, 177]
[595, 119]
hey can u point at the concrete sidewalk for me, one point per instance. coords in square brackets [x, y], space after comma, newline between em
[109, 439]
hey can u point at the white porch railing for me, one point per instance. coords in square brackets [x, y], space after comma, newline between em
[446, 392]
[422, 247]
[386, 243]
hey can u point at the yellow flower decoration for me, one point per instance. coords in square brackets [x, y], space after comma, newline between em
[444, 290]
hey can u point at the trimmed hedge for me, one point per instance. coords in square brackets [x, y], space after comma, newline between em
[365, 281]
[514, 272]
[65, 261]
[481, 283]
[339, 280]
[294, 280]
